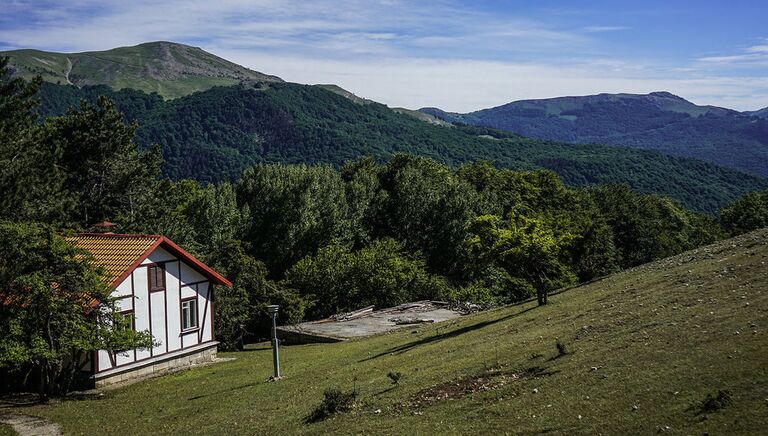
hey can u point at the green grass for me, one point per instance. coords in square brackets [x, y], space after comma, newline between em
[7, 430]
[645, 348]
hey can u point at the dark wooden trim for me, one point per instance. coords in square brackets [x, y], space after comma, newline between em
[133, 305]
[149, 278]
[96, 369]
[205, 312]
[158, 263]
[195, 283]
[213, 311]
[159, 355]
[165, 312]
[149, 315]
[138, 261]
[112, 359]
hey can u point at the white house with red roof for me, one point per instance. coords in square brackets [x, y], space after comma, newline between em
[165, 291]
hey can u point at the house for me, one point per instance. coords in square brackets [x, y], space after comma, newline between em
[165, 291]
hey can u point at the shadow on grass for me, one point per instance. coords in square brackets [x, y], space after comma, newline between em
[25, 399]
[451, 334]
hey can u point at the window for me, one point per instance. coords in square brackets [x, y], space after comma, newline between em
[189, 314]
[130, 321]
[157, 278]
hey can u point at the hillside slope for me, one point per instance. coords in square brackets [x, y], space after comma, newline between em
[657, 121]
[170, 69]
[214, 135]
[645, 348]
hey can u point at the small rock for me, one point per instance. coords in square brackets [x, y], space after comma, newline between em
[579, 416]
[377, 411]
[535, 390]
[634, 408]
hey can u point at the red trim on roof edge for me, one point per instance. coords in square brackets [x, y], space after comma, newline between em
[205, 269]
[121, 235]
[173, 248]
[138, 261]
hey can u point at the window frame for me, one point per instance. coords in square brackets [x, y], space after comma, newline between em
[132, 314]
[182, 318]
[153, 287]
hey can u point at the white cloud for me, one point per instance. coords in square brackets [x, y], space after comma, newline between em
[756, 54]
[467, 85]
[598, 29]
[403, 53]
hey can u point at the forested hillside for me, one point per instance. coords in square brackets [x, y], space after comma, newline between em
[214, 135]
[657, 121]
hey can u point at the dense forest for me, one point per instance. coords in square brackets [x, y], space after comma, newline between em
[315, 239]
[215, 135]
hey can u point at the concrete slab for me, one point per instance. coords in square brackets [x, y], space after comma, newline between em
[345, 326]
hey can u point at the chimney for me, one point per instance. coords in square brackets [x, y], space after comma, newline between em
[104, 227]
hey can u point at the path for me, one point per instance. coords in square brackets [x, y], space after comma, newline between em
[69, 69]
[26, 425]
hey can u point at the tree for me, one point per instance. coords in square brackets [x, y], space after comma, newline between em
[102, 171]
[747, 213]
[29, 178]
[241, 310]
[294, 211]
[382, 274]
[55, 307]
[650, 227]
[526, 248]
[427, 208]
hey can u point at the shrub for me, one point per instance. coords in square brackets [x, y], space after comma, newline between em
[334, 401]
[395, 377]
[715, 402]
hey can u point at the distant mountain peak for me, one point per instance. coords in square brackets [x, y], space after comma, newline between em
[665, 94]
[171, 69]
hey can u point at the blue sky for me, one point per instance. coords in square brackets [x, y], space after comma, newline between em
[457, 55]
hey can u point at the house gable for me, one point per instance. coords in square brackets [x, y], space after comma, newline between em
[167, 292]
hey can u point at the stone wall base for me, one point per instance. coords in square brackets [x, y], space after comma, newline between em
[159, 367]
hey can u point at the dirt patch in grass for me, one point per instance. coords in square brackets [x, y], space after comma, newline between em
[461, 387]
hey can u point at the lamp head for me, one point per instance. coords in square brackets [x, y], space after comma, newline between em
[272, 308]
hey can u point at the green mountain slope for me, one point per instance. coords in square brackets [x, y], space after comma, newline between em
[656, 121]
[645, 349]
[216, 134]
[762, 113]
[172, 70]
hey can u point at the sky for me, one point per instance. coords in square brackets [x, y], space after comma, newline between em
[457, 55]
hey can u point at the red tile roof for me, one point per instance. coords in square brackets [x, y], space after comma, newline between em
[119, 254]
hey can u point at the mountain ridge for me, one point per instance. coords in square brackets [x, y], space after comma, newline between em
[658, 121]
[212, 131]
[170, 69]
[214, 135]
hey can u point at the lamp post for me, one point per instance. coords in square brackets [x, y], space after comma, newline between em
[275, 342]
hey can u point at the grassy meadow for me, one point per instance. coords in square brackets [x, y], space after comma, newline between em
[640, 353]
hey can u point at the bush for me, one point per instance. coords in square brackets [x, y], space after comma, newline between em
[334, 401]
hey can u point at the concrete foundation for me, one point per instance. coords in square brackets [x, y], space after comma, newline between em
[160, 366]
